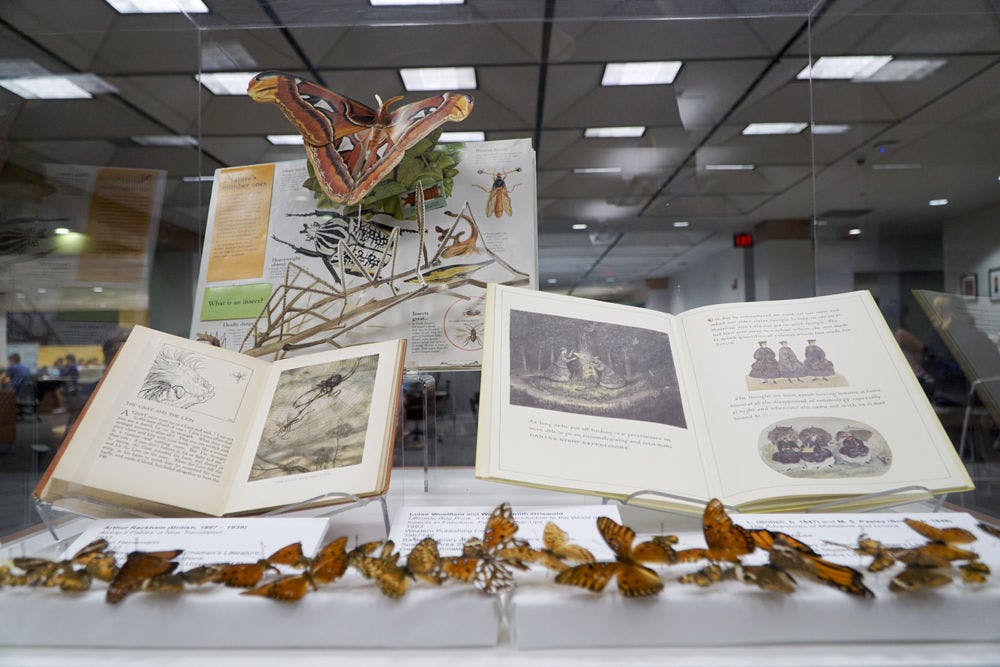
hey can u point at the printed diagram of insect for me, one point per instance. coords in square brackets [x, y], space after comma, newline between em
[238, 376]
[498, 196]
[301, 407]
[471, 334]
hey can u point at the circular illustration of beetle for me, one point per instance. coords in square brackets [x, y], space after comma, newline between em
[463, 323]
[824, 448]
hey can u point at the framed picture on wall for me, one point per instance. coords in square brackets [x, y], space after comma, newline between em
[994, 284]
[969, 285]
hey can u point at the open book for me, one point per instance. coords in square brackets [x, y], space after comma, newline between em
[179, 428]
[769, 406]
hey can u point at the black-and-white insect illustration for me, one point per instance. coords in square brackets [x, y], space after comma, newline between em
[328, 386]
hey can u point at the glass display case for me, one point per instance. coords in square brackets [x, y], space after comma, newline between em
[687, 154]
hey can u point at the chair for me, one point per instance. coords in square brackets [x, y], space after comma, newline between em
[27, 401]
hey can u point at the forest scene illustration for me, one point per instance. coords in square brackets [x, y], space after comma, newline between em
[593, 368]
[317, 420]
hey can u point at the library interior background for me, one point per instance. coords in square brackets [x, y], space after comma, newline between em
[781, 149]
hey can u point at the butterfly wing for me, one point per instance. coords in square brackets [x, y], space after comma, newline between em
[285, 589]
[459, 568]
[557, 542]
[636, 580]
[617, 536]
[952, 535]
[934, 554]
[764, 539]
[138, 567]
[915, 578]
[655, 551]
[241, 575]
[93, 550]
[493, 577]
[424, 562]
[331, 561]
[592, 576]
[290, 555]
[725, 539]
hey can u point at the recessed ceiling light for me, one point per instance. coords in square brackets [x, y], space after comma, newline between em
[42, 290]
[45, 88]
[830, 129]
[197, 179]
[729, 167]
[897, 166]
[854, 231]
[552, 281]
[461, 137]
[285, 139]
[226, 83]
[439, 78]
[909, 69]
[843, 67]
[580, 225]
[159, 6]
[60, 231]
[171, 140]
[641, 73]
[774, 128]
[98, 289]
[938, 202]
[614, 132]
[682, 223]
[393, 3]
[597, 170]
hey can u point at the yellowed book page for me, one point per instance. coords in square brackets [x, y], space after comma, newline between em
[586, 396]
[168, 423]
[327, 426]
[239, 220]
[118, 225]
[813, 397]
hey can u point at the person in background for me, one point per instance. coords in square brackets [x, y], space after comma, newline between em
[16, 372]
[69, 369]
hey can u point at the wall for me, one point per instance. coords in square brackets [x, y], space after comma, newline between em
[706, 281]
[971, 244]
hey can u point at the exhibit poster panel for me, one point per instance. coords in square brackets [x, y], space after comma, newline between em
[285, 271]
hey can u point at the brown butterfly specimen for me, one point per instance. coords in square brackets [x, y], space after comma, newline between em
[164, 583]
[139, 567]
[708, 575]
[203, 574]
[934, 554]
[350, 145]
[248, 575]
[788, 558]
[726, 541]
[481, 561]
[291, 588]
[37, 571]
[882, 556]
[556, 551]
[952, 535]
[423, 563]
[975, 572]
[989, 529]
[98, 560]
[766, 577]
[634, 579]
[917, 578]
[659, 549]
[764, 539]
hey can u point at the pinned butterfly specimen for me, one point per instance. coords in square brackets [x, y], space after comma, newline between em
[481, 561]
[706, 576]
[139, 567]
[330, 563]
[350, 145]
[766, 577]
[917, 578]
[498, 199]
[248, 575]
[634, 579]
[98, 560]
[882, 556]
[290, 588]
[423, 562]
[555, 552]
[953, 535]
[975, 572]
[726, 541]
[790, 559]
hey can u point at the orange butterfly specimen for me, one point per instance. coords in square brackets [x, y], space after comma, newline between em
[139, 567]
[350, 145]
[975, 572]
[392, 579]
[659, 549]
[916, 578]
[248, 575]
[726, 541]
[934, 554]
[555, 552]
[331, 562]
[37, 571]
[97, 559]
[788, 558]
[284, 589]
[481, 561]
[634, 579]
[945, 535]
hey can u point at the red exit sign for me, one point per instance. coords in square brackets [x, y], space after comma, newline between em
[743, 240]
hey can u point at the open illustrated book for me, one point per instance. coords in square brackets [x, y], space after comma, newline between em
[769, 406]
[179, 428]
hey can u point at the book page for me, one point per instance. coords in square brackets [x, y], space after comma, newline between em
[585, 396]
[813, 397]
[167, 425]
[327, 426]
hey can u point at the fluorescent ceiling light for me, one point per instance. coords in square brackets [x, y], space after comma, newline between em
[615, 132]
[439, 78]
[774, 128]
[854, 231]
[729, 167]
[159, 6]
[285, 139]
[226, 83]
[903, 70]
[165, 140]
[640, 74]
[98, 289]
[830, 129]
[680, 224]
[897, 166]
[843, 67]
[13, 68]
[938, 202]
[45, 88]
[580, 225]
[597, 170]
[552, 281]
[461, 137]
[395, 3]
[60, 231]
[197, 179]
